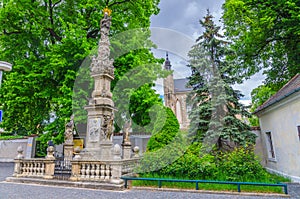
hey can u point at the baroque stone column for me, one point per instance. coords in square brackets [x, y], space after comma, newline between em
[101, 106]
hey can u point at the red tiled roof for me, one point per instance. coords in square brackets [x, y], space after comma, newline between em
[291, 87]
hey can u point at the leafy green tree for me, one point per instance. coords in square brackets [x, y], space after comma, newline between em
[133, 91]
[141, 102]
[165, 130]
[215, 104]
[259, 95]
[47, 41]
[264, 35]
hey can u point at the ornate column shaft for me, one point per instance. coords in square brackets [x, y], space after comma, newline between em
[101, 106]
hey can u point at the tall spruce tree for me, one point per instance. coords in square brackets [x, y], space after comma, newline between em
[216, 111]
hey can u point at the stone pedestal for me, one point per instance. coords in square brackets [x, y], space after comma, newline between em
[106, 150]
[68, 151]
[126, 150]
[98, 139]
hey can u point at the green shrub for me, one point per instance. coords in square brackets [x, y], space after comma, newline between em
[192, 165]
[165, 130]
[240, 165]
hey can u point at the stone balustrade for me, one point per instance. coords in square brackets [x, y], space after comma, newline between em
[91, 170]
[32, 167]
[83, 170]
[109, 171]
[129, 165]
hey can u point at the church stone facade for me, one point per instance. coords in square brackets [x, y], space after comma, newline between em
[175, 96]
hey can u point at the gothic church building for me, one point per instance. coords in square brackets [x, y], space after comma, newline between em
[175, 96]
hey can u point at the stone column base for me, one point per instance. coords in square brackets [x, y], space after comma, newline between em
[126, 150]
[106, 151]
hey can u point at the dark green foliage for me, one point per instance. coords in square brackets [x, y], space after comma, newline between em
[191, 165]
[265, 36]
[166, 144]
[215, 104]
[141, 102]
[132, 88]
[241, 165]
[165, 130]
[259, 95]
[47, 42]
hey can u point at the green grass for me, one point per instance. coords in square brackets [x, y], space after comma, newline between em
[211, 186]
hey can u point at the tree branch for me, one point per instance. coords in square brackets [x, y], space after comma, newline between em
[118, 3]
[52, 33]
[92, 34]
[11, 33]
[55, 4]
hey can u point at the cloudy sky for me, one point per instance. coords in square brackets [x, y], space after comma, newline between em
[176, 28]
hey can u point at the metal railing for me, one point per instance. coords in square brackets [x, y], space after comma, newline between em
[238, 184]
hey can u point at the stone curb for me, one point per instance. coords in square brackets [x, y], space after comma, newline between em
[64, 183]
[271, 195]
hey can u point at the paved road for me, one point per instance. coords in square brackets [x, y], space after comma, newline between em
[25, 191]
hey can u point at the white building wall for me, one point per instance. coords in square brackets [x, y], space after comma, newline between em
[281, 120]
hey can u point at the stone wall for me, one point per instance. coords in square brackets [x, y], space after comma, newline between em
[8, 148]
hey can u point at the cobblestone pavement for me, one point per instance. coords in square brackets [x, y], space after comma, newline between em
[26, 191]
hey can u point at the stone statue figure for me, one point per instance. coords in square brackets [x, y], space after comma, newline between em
[69, 128]
[107, 127]
[105, 24]
[126, 129]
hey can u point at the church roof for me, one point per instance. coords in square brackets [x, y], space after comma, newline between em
[288, 89]
[180, 85]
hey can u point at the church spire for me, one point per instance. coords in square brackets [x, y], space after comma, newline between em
[167, 62]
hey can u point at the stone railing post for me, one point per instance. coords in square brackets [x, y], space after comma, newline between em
[116, 172]
[136, 151]
[49, 169]
[117, 152]
[18, 162]
[116, 166]
[49, 163]
[75, 172]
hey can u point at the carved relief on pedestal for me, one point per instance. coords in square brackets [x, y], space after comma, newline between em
[94, 129]
[107, 127]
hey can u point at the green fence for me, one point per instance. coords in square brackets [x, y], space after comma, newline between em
[238, 184]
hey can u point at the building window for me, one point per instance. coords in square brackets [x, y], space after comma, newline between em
[270, 145]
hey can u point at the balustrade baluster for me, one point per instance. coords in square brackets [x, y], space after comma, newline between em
[93, 170]
[30, 168]
[97, 172]
[38, 169]
[102, 172]
[87, 171]
[43, 169]
[82, 171]
[107, 172]
[35, 169]
[23, 168]
[27, 168]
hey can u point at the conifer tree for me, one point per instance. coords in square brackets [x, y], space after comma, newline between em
[215, 104]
